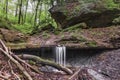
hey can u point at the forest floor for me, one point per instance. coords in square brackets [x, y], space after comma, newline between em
[106, 37]
[81, 38]
[104, 66]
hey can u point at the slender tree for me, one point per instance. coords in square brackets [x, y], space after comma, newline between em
[6, 8]
[36, 12]
[20, 12]
[40, 11]
[26, 10]
[17, 6]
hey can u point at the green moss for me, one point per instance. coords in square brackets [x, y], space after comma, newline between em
[32, 62]
[46, 35]
[1, 37]
[91, 44]
[16, 46]
[78, 37]
[74, 27]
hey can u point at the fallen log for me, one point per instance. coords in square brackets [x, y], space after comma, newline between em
[22, 61]
[46, 62]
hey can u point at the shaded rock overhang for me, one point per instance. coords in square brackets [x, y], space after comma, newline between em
[95, 17]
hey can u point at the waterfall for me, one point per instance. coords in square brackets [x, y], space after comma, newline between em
[60, 53]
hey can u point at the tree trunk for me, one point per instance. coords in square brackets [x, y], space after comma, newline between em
[52, 2]
[16, 10]
[20, 12]
[6, 8]
[36, 11]
[40, 11]
[26, 11]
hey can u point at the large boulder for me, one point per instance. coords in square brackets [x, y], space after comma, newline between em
[95, 14]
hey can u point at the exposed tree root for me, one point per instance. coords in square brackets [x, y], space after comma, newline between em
[4, 77]
[46, 62]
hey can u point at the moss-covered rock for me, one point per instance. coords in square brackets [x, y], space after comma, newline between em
[12, 36]
[95, 14]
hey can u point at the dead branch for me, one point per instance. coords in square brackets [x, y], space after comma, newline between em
[6, 53]
[75, 74]
[18, 78]
[3, 46]
[46, 62]
[17, 64]
[4, 77]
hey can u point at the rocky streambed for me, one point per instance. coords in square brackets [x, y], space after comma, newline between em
[92, 64]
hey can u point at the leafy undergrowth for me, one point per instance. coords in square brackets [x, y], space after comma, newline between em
[11, 24]
[5, 23]
[25, 28]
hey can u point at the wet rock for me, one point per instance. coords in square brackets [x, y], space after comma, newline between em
[90, 74]
[104, 66]
[108, 64]
[95, 14]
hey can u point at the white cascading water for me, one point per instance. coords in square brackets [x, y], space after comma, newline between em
[60, 53]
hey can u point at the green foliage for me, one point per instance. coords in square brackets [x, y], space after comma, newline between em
[110, 4]
[5, 23]
[25, 28]
[43, 15]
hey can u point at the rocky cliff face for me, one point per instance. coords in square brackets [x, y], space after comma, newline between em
[95, 14]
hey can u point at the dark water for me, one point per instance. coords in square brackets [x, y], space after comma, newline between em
[74, 56]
